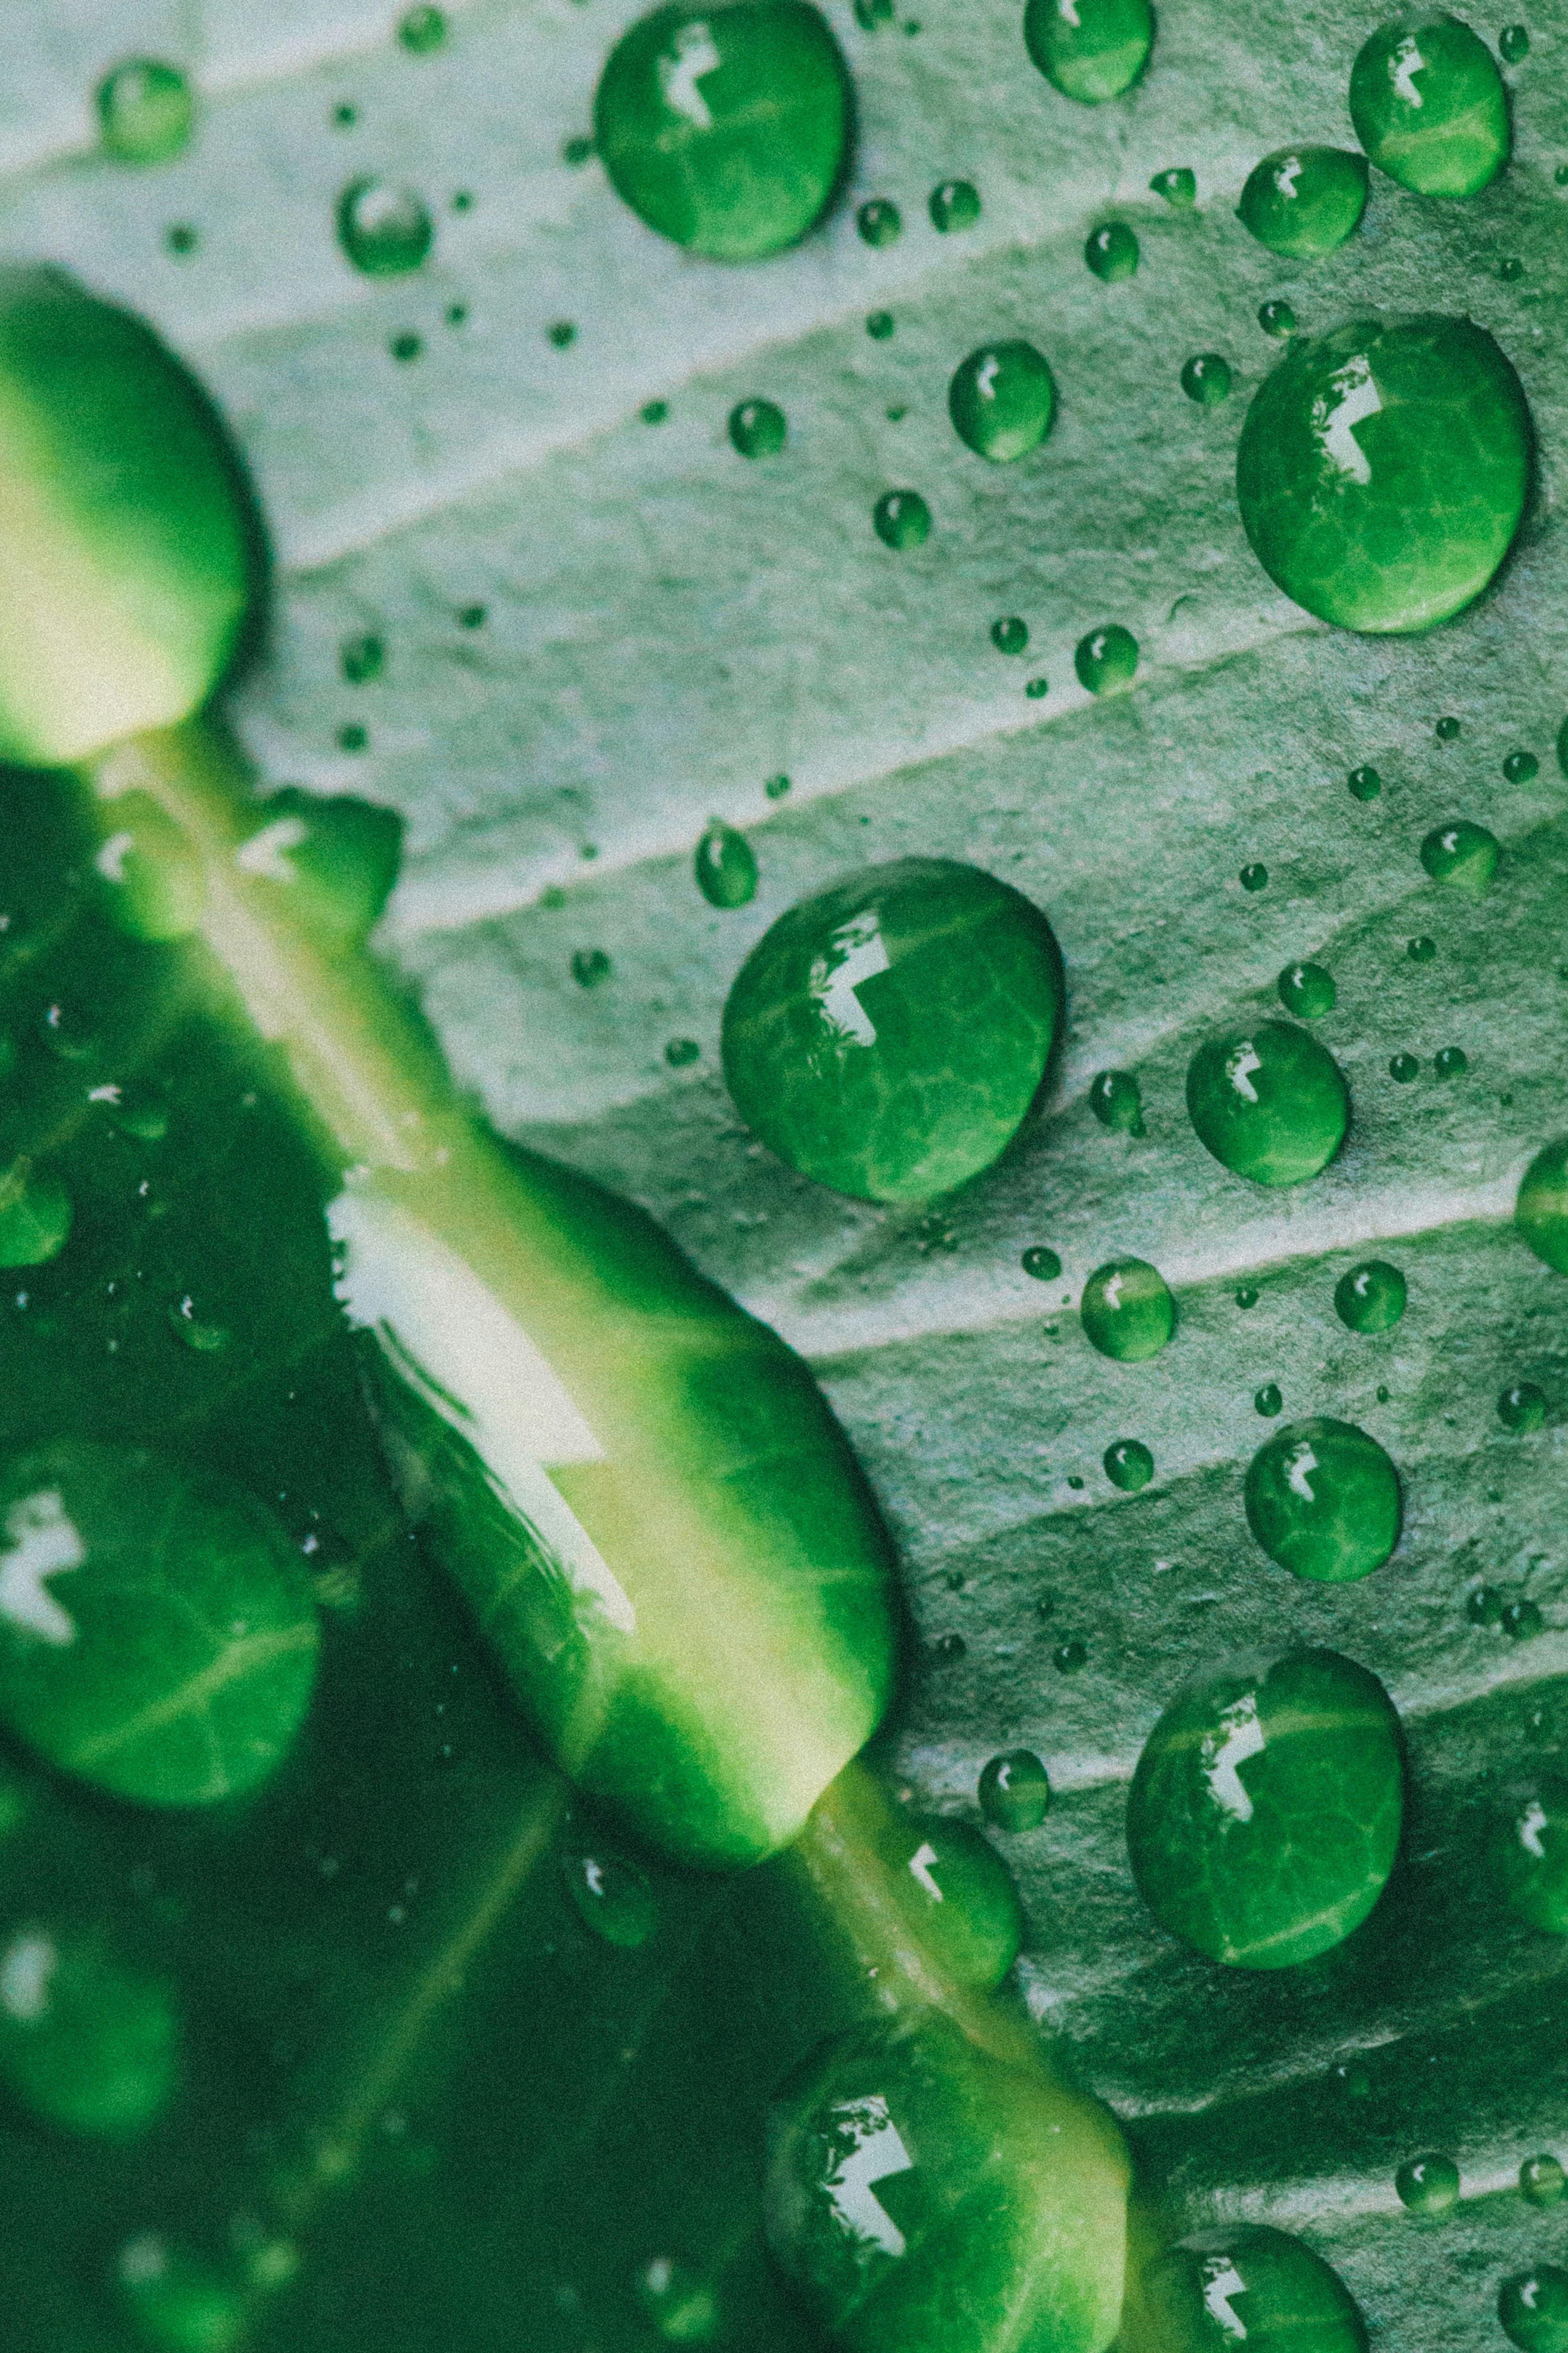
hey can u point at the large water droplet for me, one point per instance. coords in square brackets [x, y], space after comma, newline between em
[1462, 854]
[1541, 1212]
[158, 1634]
[956, 1894]
[1002, 400]
[147, 111]
[1532, 1849]
[1428, 2185]
[1249, 2283]
[1303, 201]
[1532, 2307]
[888, 1036]
[1323, 1499]
[1127, 1311]
[1110, 251]
[1371, 1297]
[86, 2042]
[1265, 1813]
[335, 857]
[1107, 660]
[726, 867]
[36, 1216]
[177, 2301]
[611, 1894]
[1383, 469]
[728, 129]
[1128, 1464]
[1016, 1791]
[1271, 1106]
[1429, 105]
[384, 230]
[1092, 51]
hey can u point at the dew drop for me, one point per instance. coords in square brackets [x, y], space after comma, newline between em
[1365, 784]
[758, 429]
[1422, 949]
[901, 518]
[562, 334]
[1532, 1849]
[182, 238]
[726, 131]
[1450, 1061]
[1541, 1212]
[1323, 1501]
[1110, 251]
[681, 1052]
[177, 2301]
[1521, 767]
[1304, 201]
[1093, 52]
[677, 2301]
[86, 2042]
[611, 1894]
[1462, 854]
[880, 223]
[1067, 1658]
[956, 1894]
[1307, 991]
[949, 1648]
[1277, 319]
[577, 149]
[1178, 187]
[1532, 2307]
[362, 658]
[1127, 1311]
[196, 1330]
[149, 872]
[1522, 1406]
[590, 967]
[334, 857]
[1264, 1811]
[1107, 660]
[1429, 105]
[146, 111]
[1371, 1297]
[1254, 877]
[776, 788]
[1002, 400]
[1269, 1400]
[1248, 1296]
[1128, 1464]
[1484, 1606]
[1428, 2185]
[422, 31]
[1042, 1263]
[1542, 2181]
[726, 867]
[1282, 2298]
[954, 205]
[1447, 731]
[1010, 635]
[1403, 1068]
[1037, 689]
[1015, 1792]
[1205, 379]
[1524, 1620]
[1271, 1106]
[384, 230]
[655, 412]
[402, 347]
[36, 1216]
[879, 325]
[1117, 1101]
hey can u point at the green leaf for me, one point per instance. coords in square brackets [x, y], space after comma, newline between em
[604, 627]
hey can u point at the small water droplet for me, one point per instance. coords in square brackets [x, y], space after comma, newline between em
[901, 518]
[1002, 400]
[1447, 730]
[1521, 767]
[1511, 270]
[1524, 1620]
[1462, 854]
[1117, 1101]
[344, 116]
[1016, 1791]
[407, 346]
[362, 658]
[954, 205]
[1178, 187]
[880, 222]
[758, 429]
[1522, 1406]
[1205, 378]
[655, 412]
[1308, 990]
[776, 788]
[36, 1216]
[422, 31]
[1422, 949]
[1303, 202]
[681, 1052]
[1010, 635]
[562, 334]
[1127, 1311]
[1037, 689]
[1248, 1296]
[1106, 660]
[1323, 1501]
[1110, 251]
[146, 111]
[1067, 1658]
[384, 230]
[1267, 1401]
[1128, 1464]
[1277, 319]
[726, 867]
[879, 325]
[611, 1894]
[1404, 1068]
[677, 2300]
[590, 967]
[1371, 1297]
[1450, 1063]
[1542, 2180]
[176, 2300]
[1365, 784]
[1484, 1606]
[1093, 51]
[577, 149]
[1042, 1263]
[1254, 877]
[197, 1329]
[947, 1648]
[1428, 2185]
[1513, 43]
[182, 238]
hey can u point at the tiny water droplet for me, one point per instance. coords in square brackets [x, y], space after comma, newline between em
[407, 346]
[384, 230]
[182, 238]
[1513, 43]
[590, 967]
[1178, 186]
[1267, 1401]
[1002, 400]
[758, 429]
[1037, 689]
[1254, 877]
[1010, 635]
[1042, 1263]
[1110, 251]
[1522, 1620]
[1323, 1501]
[562, 334]
[1447, 730]
[1542, 2180]
[1422, 949]
[880, 222]
[1304, 201]
[1450, 1063]
[198, 1331]
[954, 205]
[1128, 1464]
[1428, 2185]
[146, 111]
[1205, 378]
[1522, 1406]
[362, 658]
[1521, 767]
[1016, 1791]
[1277, 319]
[949, 1648]
[577, 149]
[1511, 270]
[901, 518]
[1371, 1297]
[1404, 1068]
[1248, 1296]
[681, 1052]
[1117, 1101]
[1308, 990]
[1107, 660]
[879, 325]
[1271, 1106]
[1127, 1311]
[611, 1894]
[472, 616]
[352, 736]
[726, 867]
[1484, 1606]
[776, 788]
[422, 31]
[1365, 784]
[1067, 1658]
[655, 412]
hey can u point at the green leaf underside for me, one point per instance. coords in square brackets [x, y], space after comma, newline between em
[667, 626]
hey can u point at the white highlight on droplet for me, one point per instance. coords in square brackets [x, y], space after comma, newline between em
[857, 955]
[877, 2150]
[1286, 178]
[1221, 2282]
[1301, 1460]
[1403, 67]
[267, 852]
[678, 75]
[921, 1862]
[1240, 1068]
[41, 1543]
[1531, 1822]
[990, 368]
[27, 1966]
[1239, 1736]
[110, 860]
[1334, 424]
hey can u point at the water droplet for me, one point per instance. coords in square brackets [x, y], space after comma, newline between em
[1128, 1464]
[143, 1113]
[1304, 201]
[182, 238]
[1384, 1393]
[1381, 470]
[149, 879]
[880, 222]
[178, 2303]
[1447, 731]
[726, 867]
[956, 1894]
[727, 131]
[1042, 1263]
[404, 347]
[1178, 187]
[36, 1216]
[1248, 1296]
[590, 967]
[949, 1648]
[1117, 1101]
[362, 658]
[1205, 378]
[1511, 270]
[611, 1894]
[681, 1052]
[1307, 989]
[1450, 1063]
[1127, 1311]
[562, 334]
[1429, 105]
[1271, 1106]
[1094, 51]
[68, 1033]
[776, 788]
[678, 2301]
[1015, 1792]
[146, 111]
[172, 1668]
[1250, 2282]
[1421, 950]
[1522, 1406]
[655, 412]
[1351, 2079]
[1404, 1068]
[335, 855]
[1269, 1400]
[855, 1028]
[577, 149]
[1254, 877]
[1365, 784]
[198, 1331]
[1107, 660]
[1532, 1849]
[1371, 1297]
[1110, 251]
[1010, 635]
[1513, 43]
[422, 31]
[384, 230]
[1037, 689]
[879, 325]
[1484, 1606]
[1532, 2307]
[1542, 2180]
[344, 117]
[1002, 400]
[901, 518]
[1522, 1620]
[1067, 1658]
[1428, 2185]
[757, 428]
[1277, 319]
[1323, 1499]
[954, 205]
[1461, 853]
[86, 2042]
[1541, 1212]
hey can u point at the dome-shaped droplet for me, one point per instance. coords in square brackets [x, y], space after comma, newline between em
[1128, 1464]
[1532, 2307]
[1106, 660]
[1205, 379]
[611, 1894]
[423, 31]
[177, 2301]
[1269, 1400]
[1091, 49]
[726, 867]
[901, 518]
[1541, 1212]
[956, 1894]
[1265, 1813]
[1307, 991]
[86, 2042]
[1462, 854]
[726, 129]
[1542, 2180]
[1044, 1264]
[1179, 185]
[677, 2301]
[1429, 105]
[1002, 400]
[1371, 1297]
[888, 1036]
[1428, 2185]
[1304, 201]
[1110, 251]
[36, 1214]
[1117, 1101]
[1249, 2284]
[1323, 1499]
[1403, 1068]
[880, 222]
[1383, 469]
[1010, 635]
[1522, 1406]
[1277, 319]
[158, 1635]
[954, 204]
[1271, 1104]
[1520, 768]
[1016, 1791]
[384, 230]
[335, 857]
[1365, 784]
[1531, 1849]
[146, 111]
[758, 429]
[1127, 1311]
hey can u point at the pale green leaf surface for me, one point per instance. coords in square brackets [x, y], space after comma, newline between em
[667, 625]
